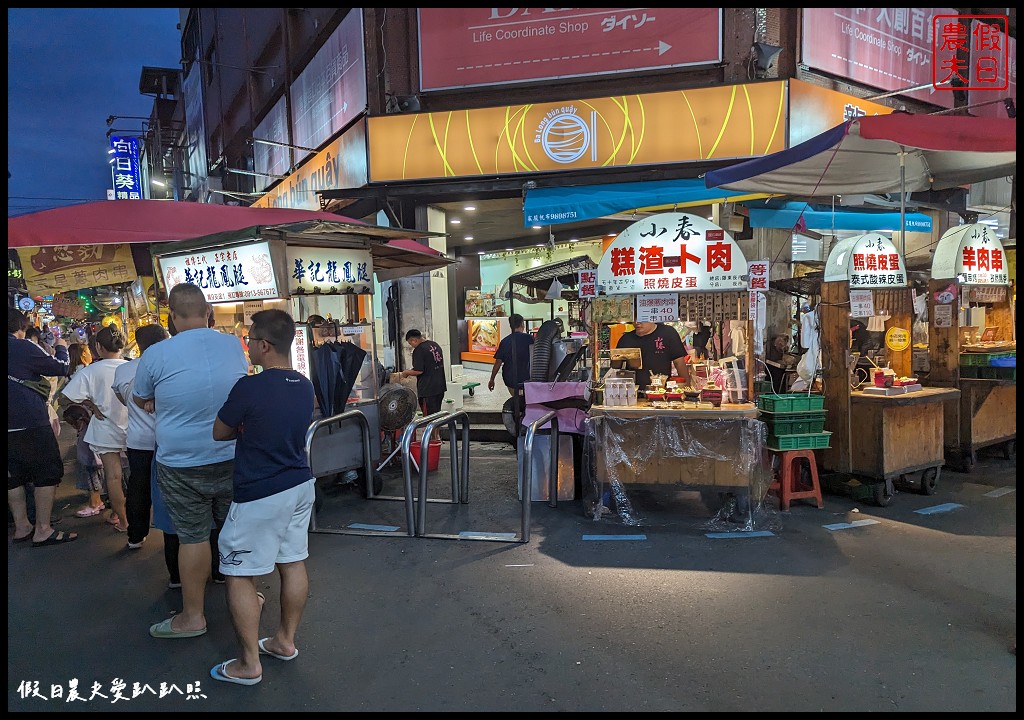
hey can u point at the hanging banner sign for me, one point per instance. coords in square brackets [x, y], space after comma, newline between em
[329, 271]
[972, 254]
[61, 268]
[987, 294]
[241, 272]
[300, 350]
[125, 170]
[587, 284]
[757, 275]
[69, 306]
[862, 303]
[657, 308]
[672, 252]
[866, 261]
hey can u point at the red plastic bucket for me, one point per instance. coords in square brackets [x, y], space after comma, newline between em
[433, 453]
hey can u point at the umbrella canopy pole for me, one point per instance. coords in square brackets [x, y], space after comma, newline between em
[903, 204]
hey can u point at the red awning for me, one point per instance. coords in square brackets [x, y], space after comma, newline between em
[148, 221]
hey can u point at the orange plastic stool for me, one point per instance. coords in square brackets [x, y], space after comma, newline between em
[788, 485]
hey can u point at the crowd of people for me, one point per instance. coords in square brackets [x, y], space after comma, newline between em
[184, 439]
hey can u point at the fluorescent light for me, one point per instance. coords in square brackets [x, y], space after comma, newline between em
[455, 221]
[537, 227]
[159, 183]
[468, 237]
[480, 252]
[469, 208]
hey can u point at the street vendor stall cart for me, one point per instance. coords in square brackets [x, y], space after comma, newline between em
[322, 274]
[890, 430]
[972, 342]
[667, 267]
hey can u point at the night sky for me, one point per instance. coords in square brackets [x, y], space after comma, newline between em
[68, 70]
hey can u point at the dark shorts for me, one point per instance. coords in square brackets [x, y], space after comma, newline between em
[197, 498]
[431, 404]
[33, 456]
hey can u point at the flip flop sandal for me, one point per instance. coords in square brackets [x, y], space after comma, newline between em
[23, 538]
[59, 537]
[164, 629]
[220, 672]
[265, 651]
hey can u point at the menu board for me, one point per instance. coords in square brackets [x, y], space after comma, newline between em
[612, 309]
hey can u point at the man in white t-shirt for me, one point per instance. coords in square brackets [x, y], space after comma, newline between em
[141, 441]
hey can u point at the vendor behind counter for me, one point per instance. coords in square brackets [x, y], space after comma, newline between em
[661, 351]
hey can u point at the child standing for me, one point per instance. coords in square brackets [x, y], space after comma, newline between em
[90, 468]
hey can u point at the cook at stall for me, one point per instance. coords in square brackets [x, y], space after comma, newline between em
[661, 351]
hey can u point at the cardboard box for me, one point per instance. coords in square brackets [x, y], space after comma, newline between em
[409, 382]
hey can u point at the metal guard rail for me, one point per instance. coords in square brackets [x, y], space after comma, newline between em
[364, 431]
[406, 445]
[526, 479]
[459, 465]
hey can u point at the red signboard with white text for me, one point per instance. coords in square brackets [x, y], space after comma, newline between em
[466, 47]
[887, 48]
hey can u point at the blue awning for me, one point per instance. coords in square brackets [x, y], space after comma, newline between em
[817, 217]
[557, 205]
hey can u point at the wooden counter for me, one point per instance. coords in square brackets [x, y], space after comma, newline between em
[899, 434]
[985, 415]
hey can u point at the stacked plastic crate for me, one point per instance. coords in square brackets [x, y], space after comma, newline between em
[795, 421]
[989, 366]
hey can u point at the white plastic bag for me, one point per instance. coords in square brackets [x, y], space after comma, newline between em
[555, 291]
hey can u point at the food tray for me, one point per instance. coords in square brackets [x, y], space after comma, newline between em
[794, 402]
[812, 441]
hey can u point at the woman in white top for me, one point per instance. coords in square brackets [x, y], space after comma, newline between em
[108, 428]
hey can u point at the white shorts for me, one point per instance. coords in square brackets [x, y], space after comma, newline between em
[273, 530]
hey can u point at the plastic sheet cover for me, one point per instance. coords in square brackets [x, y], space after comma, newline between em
[635, 468]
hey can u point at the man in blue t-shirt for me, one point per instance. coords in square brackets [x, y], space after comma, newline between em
[184, 380]
[267, 415]
[513, 356]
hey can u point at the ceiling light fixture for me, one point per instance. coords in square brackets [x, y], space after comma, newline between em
[455, 221]
[537, 227]
[469, 237]
[470, 208]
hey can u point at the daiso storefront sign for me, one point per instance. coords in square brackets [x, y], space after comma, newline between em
[672, 252]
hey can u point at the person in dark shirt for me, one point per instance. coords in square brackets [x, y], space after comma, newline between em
[428, 369]
[661, 350]
[33, 455]
[267, 526]
[513, 356]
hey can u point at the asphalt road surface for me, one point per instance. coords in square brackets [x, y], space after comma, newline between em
[914, 612]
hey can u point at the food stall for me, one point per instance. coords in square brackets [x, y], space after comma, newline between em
[665, 268]
[972, 343]
[321, 273]
[891, 429]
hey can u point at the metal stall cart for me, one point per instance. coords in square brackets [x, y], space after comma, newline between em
[322, 273]
[972, 342]
[664, 268]
[889, 430]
